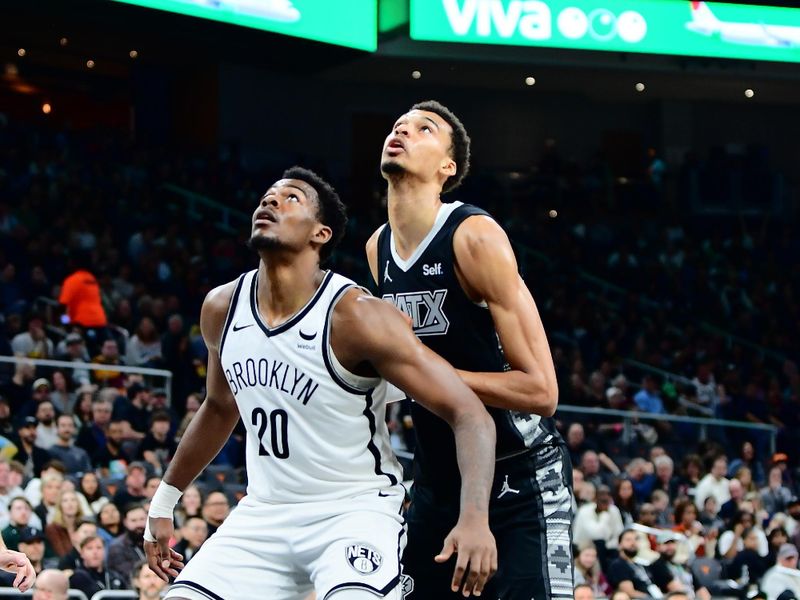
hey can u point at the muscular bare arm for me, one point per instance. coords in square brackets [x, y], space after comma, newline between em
[368, 330]
[204, 438]
[487, 270]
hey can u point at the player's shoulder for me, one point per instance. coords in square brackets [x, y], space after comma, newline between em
[372, 242]
[478, 231]
[215, 310]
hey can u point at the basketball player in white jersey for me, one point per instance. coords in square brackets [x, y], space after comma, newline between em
[299, 353]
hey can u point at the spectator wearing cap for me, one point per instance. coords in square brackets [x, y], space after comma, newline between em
[146, 582]
[75, 351]
[136, 410]
[668, 574]
[784, 576]
[46, 430]
[159, 401]
[775, 496]
[76, 460]
[95, 576]
[33, 343]
[20, 515]
[32, 457]
[51, 584]
[32, 545]
[126, 550]
[133, 490]
[40, 392]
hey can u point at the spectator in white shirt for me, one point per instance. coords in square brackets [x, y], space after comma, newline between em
[599, 520]
[714, 484]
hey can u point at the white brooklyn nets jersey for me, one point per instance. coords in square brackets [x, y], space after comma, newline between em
[314, 430]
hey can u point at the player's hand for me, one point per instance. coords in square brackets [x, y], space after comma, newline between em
[477, 555]
[162, 559]
[16, 562]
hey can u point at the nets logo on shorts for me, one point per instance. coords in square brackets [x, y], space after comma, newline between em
[363, 558]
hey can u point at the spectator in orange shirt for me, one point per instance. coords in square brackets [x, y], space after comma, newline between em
[80, 295]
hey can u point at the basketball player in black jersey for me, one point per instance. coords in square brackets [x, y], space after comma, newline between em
[299, 220]
[452, 270]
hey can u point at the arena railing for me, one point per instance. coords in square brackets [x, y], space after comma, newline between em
[11, 592]
[631, 418]
[88, 366]
[228, 217]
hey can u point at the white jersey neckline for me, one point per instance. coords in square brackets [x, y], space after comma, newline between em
[296, 317]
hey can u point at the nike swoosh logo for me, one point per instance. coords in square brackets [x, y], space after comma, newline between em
[235, 328]
[308, 336]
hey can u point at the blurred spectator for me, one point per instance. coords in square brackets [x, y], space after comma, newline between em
[660, 501]
[193, 533]
[731, 541]
[666, 480]
[113, 458]
[583, 591]
[31, 456]
[7, 492]
[624, 574]
[598, 522]
[648, 398]
[776, 538]
[747, 459]
[96, 575]
[144, 348]
[126, 549]
[749, 564]
[157, 447]
[215, 510]
[591, 465]
[63, 400]
[34, 343]
[6, 426]
[72, 559]
[20, 515]
[148, 584]
[640, 472]
[133, 490]
[75, 351]
[625, 501]
[775, 497]
[189, 505]
[51, 584]
[110, 519]
[686, 523]
[784, 576]
[50, 493]
[80, 295]
[76, 460]
[46, 430]
[136, 411]
[668, 574]
[62, 526]
[93, 492]
[588, 572]
[193, 402]
[576, 442]
[150, 487]
[92, 436]
[31, 544]
[714, 484]
[109, 356]
[40, 392]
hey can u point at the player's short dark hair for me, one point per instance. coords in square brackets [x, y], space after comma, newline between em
[332, 211]
[459, 144]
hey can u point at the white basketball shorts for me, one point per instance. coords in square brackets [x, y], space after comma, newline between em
[285, 551]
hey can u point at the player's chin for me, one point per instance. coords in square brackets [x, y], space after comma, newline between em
[259, 240]
[392, 166]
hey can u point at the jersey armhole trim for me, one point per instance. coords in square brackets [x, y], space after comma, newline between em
[327, 352]
[231, 311]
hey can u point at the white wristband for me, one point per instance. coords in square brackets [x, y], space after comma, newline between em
[162, 506]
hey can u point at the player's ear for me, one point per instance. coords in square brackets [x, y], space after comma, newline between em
[448, 167]
[322, 234]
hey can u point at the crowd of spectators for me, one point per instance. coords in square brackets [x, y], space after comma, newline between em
[100, 263]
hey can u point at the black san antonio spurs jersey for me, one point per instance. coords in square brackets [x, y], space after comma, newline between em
[426, 288]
